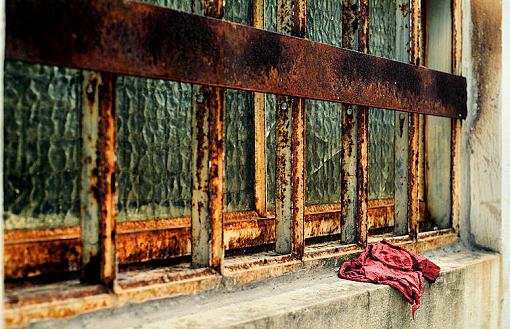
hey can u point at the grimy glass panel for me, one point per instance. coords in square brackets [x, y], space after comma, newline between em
[270, 24]
[41, 146]
[381, 176]
[323, 119]
[154, 144]
[438, 130]
[239, 130]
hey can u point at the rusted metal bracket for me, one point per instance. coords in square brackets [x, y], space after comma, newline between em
[143, 40]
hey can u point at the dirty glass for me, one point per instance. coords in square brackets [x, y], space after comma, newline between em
[438, 141]
[381, 176]
[154, 144]
[239, 130]
[270, 24]
[41, 146]
[323, 119]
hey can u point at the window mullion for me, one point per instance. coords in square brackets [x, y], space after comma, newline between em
[362, 134]
[290, 146]
[97, 190]
[208, 152]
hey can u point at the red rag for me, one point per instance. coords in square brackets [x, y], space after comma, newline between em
[386, 263]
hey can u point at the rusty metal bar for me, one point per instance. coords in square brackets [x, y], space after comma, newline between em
[208, 163]
[97, 194]
[107, 184]
[259, 101]
[89, 180]
[349, 135]
[456, 124]
[401, 146]
[290, 146]
[143, 40]
[362, 134]
[414, 128]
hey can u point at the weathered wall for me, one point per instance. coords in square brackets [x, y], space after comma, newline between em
[505, 160]
[481, 130]
[486, 135]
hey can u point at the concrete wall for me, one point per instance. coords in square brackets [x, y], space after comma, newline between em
[486, 134]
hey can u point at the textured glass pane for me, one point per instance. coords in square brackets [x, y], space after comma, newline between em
[154, 144]
[270, 150]
[323, 119]
[42, 146]
[154, 148]
[381, 176]
[239, 130]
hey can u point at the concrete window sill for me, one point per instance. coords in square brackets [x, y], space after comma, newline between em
[464, 296]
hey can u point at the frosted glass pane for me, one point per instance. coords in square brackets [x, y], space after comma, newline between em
[41, 146]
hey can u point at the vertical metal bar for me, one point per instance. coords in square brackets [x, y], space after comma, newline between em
[362, 134]
[401, 125]
[456, 124]
[290, 146]
[414, 128]
[89, 201]
[208, 152]
[107, 181]
[97, 191]
[349, 135]
[260, 128]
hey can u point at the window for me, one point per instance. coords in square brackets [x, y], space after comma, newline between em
[127, 181]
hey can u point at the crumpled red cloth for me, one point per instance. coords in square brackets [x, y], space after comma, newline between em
[386, 263]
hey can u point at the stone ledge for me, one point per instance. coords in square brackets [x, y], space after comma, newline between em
[466, 295]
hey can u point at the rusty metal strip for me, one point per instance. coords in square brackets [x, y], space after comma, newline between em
[208, 163]
[259, 102]
[107, 184]
[414, 129]
[348, 159]
[290, 146]
[47, 251]
[456, 124]
[362, 135]
[126, 38]
[401, 134]
[89, 179]
[97, 192]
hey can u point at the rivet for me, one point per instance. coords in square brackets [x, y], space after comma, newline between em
[90, 89]
[284, 106]
[402, 116]
[349, 111]
[200, 98]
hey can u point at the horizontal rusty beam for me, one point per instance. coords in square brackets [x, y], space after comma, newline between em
[142, 40]
[56, 251]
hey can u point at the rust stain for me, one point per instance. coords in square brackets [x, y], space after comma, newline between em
[242, 58]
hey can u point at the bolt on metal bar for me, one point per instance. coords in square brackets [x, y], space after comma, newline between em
[414, 128]
[208, 163]
[97, 190]
[362, 133]
[290, 146]
[349, 136]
